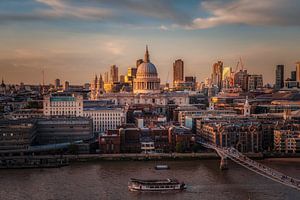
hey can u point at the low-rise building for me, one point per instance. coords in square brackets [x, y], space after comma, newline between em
[17, 134]
[109, 143]
[26, 114]
[181, 139]
[63, 129]
[287, 141]
[243, 135]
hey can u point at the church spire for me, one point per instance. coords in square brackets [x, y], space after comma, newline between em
[147, 59]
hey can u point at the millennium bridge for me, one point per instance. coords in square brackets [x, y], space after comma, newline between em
[239, 158]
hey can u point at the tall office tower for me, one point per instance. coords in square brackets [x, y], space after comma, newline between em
[138, 62]
[293, 75]
[298, 71]
[57, 83]
[114, 74]
[217, 74]
[178, 71]
[241, 79]
[279, 77]
[66, 86]
[131, 72]
[106, 77]
[122, 79]
[227, 77]
[255, 82]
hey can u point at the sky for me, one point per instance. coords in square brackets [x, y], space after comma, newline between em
[74, 39]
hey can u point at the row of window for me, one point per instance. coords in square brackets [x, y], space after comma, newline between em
[102, 114]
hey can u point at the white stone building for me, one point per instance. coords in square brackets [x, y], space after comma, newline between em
[63, 105]
[163, 99]
[105, 118]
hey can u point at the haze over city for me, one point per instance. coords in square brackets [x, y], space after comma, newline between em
[149, 99]
[73, 40]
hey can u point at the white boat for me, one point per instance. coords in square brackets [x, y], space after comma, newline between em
[162, 167]
[155, 185]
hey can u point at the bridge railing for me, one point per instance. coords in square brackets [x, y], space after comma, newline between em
[252, 165]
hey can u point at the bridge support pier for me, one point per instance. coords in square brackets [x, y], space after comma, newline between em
[223, 163]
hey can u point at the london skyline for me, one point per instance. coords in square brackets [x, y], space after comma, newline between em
[73, 40]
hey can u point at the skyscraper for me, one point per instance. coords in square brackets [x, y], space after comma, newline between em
[255, 82]
[66, 86]
[279, 77]
[293, 75]
[114, 74]
[241, 79]
[106, 77]
[131, 71]
[178, 71]
[298, 71]
[217, 74]
[57, 83]
[122, 79]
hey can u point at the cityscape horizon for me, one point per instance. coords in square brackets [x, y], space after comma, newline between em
[149, 99]
[74, 39]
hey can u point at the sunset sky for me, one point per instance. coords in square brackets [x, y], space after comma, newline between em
[74, 39]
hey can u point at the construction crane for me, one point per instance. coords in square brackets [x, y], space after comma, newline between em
[239, 67]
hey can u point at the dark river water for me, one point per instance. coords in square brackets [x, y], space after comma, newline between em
[108, 180]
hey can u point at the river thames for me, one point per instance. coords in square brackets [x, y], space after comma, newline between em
[108, 180]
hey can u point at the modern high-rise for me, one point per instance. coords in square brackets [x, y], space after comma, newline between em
[298, 71]
[131, 71]
[217, 74]
[66, 86]
[255, 82]
[131, 74]
[57, 83]
[106, 77]
[293, 75]
[122, 79]
[114, 74]
[178, 71]
[227, 77]
[279, 77]
[241, 79]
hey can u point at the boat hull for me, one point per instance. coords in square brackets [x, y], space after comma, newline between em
[155, 185]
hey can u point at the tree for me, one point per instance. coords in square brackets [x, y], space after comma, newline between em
[179, 148]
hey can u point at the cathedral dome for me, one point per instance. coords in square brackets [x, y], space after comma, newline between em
[146, 80]
[146, 69]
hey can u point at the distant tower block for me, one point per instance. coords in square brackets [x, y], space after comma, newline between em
[247, 108]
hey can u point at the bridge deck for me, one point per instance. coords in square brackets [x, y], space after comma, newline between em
[254, 166]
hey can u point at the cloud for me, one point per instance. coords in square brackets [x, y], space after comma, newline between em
[164, 14]
[248, 12]
[157, 9]
[61, 9]
[115, 48]
[116, 11]
[58, 10]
